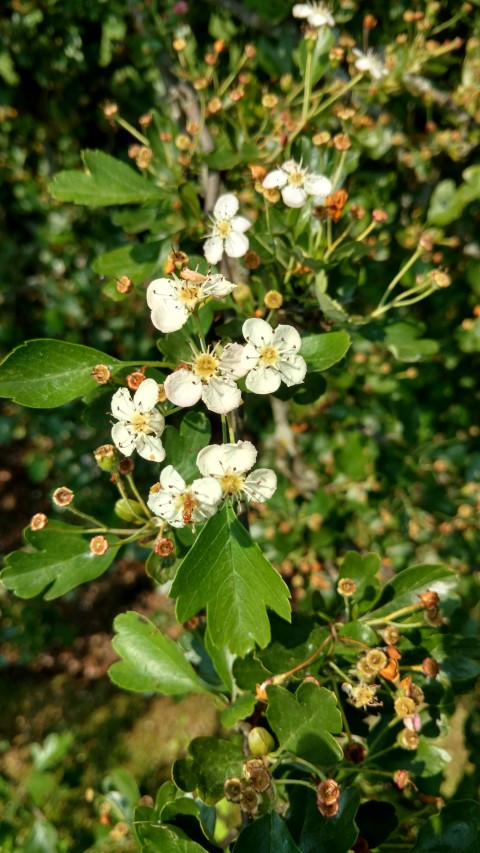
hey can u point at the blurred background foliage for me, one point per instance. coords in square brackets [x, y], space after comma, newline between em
[396, 438]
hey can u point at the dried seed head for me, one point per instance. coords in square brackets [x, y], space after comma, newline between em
[249, 800]
[269, 101]
[379, 215]
[98, 545]
[106, 457]
[62, 496]
[391, 635]
[328, 792]
[252, 260]
[110, 109]
[404, 706]
[250, 51]
[214, 105]
[346, 587]
[38, 521]
[126, 466]
[408, 739]
[321, 138]
[135, 379]
[376, 659]
[258, 775]
[179, 44]
[164, 547]
[355, 752]
[429, 599]
[341, 141]
[101, 373]
[233, 789]
[144, 157]
[402, 779]
[430, 667]
[145, 120]
[273, 300]
[183, 142]
[124, 284]
[357, 211]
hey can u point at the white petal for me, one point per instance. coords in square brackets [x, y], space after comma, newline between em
[231, 361]
[171, 481]
[294, 196]
[263, 380]
[146, 396]
[218, 459]
[249, 360]
[226, 206]
[257, 332]
[183, 388]
[301, 10]
[221, 396]
[160, 288]
[293, 370]
[207, 490]
[123, 438]
[213, 250]
[163, 505]
[150, 447]
[318, 185]
[287, 339]
[277, 178]
[122, 405]
[320, 18]
[169, 316]
[240, 224]
[260, 485]
[156, 422]
[236, 245]
[217, 286]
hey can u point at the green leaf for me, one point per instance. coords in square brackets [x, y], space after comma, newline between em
[405, 588]
[105, 181]
[209, 762]
[240, 709]
[182, 446]
[268, 834]
[363, 570]
[455, 830]
[167, 840]
[61, 562]
[303, 721]
[54, 748]
[226, 572]
[404, 342]
[322, 351]
[458, 656]
[138, 261]
[150, 661]
[42, 839]
[317, 834]
[448, 201]
[47, 373]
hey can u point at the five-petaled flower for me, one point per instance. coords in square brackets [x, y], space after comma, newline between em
[228, 231]
[370, 62]
[317, 14]
[139, 425]
[229, 463]
[172, 300]
[270, 357]
[296, 184]
[211, 377]
[179, 504]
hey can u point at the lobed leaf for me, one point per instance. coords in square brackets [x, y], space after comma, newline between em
[105, 181]
[303, 722]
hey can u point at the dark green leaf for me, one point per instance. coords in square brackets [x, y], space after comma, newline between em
[105, 181]
[46, 373]
[209, 762]
[139, 261]
[363, 570]
[405, 588]
[182, 446]
[268, 834]
[322, 351]
[303, 721]
[242, 707]
[317, 834]
[226, 572]
[150, 661]
[455, 830]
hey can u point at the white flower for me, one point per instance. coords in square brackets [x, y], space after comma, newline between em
[227, 233]
[211, 378]
[139, 425]
[370, 62]
[317, 14]
[297, 184]
[271, 356]
[228, 464]
[173, 300]
[180, 504]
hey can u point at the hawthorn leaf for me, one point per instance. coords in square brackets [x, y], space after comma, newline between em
[268, 834]
[455, 830]
[61, 561]
[138, 261]
[182, 446]
[165, 838]
[323, 351]
[226, 573]
[105, 181]
[208, 763]
[150, 661]
[362, 568]
[315, 833]
[303, 722]
[46, 373]
[405, 588]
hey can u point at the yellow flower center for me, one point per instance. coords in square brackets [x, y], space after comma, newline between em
[223, 228]
[205, 365]
[296, 179]
[269, 355]
[231, 484]
[140, 422]
[189, 294]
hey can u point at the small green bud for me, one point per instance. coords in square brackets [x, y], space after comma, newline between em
[260, 742]
[106, 458]
[128, 510]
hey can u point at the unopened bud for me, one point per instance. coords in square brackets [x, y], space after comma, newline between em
[379, 215]
[98, 545]
[128, 510]
[430, 667]
[38, 521]
[106, 457]
[219, 45]
[101, 373]
[273, 300]
[260, 741]
[62, 496]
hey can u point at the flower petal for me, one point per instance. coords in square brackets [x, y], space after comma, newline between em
[160, 288]
[226, 206]
[213, 250]
[122, 405]
[207, 490]
[169, 316]
[146, 396]
[218, 459]
[294, 196]
[183, 388]
[277, 178]
[231, 361]
[221, 396]
[260, 485]
[150, 447]
[302, 10]
[216, 285]
[287, 339]
[318, 185]
[292, 370]
[156, 422]
[263, 380]
[123, 438]
[257, 332]
[240, 224]
[236, 245]
[171, 481]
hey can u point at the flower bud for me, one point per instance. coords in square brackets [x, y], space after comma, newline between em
[38, 521]
[62, 496]
[98, 545]
[128, 510]
[260, 741]
[106, 457]
[430, 667]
